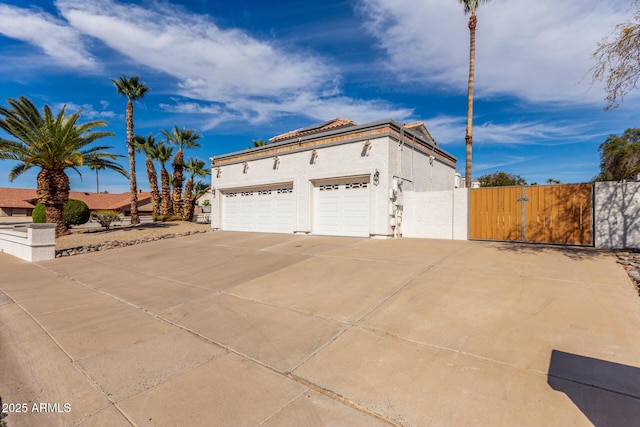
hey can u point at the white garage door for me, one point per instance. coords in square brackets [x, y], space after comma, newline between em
[269, 210]
[342, 209]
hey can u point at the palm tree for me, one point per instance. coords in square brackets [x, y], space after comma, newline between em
[195, 167]
[470, 6]
[133, 89]
[54, 144]
[258, 143]
[99, 163]
[148, 146]
[182, 138]
[163, 154]
[199, 189]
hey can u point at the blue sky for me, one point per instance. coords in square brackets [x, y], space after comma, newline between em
[244, 70]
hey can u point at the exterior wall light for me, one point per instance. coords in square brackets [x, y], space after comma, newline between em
[314, 157]
[246, 167]
[276, 162]
[366, 148]
[376, 177]
[218, 172]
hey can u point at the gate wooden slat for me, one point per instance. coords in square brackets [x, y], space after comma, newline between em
[553, 214]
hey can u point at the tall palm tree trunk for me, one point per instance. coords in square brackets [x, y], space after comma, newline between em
[178, 178]
[153, 187]
[53, 193]
[188, 208]
[135, 219]
[472, 69]
[166, 193]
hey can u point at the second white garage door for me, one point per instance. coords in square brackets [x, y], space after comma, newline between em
[342, 208]
[270, 210]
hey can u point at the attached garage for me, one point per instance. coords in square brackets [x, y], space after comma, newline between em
[335, 178]
[269, 209]
[342, 208]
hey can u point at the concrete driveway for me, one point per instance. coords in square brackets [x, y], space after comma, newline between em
[248, 329]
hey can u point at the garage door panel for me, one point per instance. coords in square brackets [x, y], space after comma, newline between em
[342, 209]
[267, 210]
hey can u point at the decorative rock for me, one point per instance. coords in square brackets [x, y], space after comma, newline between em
[630, 260]
[119, 243]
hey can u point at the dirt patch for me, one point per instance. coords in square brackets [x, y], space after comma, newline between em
[93, 236]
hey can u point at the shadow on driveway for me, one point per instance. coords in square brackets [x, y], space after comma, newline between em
[607, 393]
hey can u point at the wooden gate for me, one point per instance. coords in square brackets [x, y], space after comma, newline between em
[540, 214]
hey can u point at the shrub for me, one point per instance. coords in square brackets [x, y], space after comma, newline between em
[105, 218]
[75, 212]
[165, 218]
[2, 414]
[39, 216]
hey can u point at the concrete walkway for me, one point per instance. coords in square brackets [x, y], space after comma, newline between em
[247, 329]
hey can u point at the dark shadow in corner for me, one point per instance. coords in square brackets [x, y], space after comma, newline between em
[607, 393]
[571, 252]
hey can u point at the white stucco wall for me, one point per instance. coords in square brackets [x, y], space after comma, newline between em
[332, 162]
[436, 214]
[421, 174]
[33, 242]
[617, 215]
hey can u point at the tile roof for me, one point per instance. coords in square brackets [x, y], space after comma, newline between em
[319, 127]
[26, 198]
[421, 128]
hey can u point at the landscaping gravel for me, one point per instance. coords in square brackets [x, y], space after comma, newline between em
[91, 240]
[630, 260]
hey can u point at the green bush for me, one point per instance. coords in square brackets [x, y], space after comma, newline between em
[76, 212]
[165, 218]
[39, 216]
[105, 218]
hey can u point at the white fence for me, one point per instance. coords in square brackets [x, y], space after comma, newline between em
[616, 215]
[436, 214]
[30, 242]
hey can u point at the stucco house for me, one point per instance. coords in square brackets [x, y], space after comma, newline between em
[21, 201]
[333, 178]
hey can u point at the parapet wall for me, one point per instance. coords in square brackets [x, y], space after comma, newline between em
[30, 242]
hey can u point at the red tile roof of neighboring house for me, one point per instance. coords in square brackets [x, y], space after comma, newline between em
[319, 127]
[27, 198]
[17, 198]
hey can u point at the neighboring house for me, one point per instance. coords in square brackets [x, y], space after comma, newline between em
[21, 201]
[333, 178]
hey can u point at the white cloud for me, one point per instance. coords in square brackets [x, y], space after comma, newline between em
[53, 36]
[499, 163]
[450, 130]
[247, 78]
[87, 112]
[539, 51]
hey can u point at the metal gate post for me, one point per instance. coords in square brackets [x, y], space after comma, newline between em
[523, 199]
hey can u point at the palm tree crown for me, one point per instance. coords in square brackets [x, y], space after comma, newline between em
[53, 144]
[104, 162]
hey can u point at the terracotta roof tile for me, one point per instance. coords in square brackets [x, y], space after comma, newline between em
[22, 198]
[319, 127]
